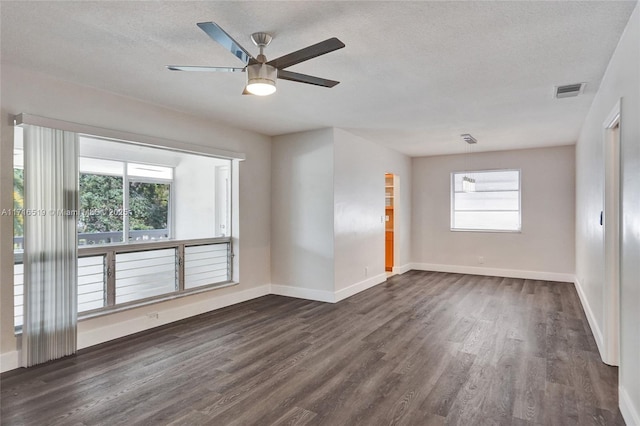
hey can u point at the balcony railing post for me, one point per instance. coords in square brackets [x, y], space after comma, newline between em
[180, 254]
[230, 256]
[110, 261]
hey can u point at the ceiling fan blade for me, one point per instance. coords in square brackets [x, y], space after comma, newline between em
[307, 53]
[304, 78]
[203, 69]
[214, 31]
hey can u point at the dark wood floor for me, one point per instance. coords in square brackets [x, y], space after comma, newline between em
[422, 349]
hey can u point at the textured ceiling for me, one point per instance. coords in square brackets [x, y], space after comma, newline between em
[414, 75]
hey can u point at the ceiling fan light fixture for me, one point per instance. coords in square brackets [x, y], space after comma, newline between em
[261, 79]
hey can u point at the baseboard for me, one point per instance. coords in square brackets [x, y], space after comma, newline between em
[494, 272]
[358, 287]
[303, 293]
[630, 413]
[9, 361]
[143, 322]
[595, 330]
[401, 269]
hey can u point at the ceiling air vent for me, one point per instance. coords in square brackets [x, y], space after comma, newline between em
[468, 138]
[569, 90]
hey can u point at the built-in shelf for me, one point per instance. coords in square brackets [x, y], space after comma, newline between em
[389, 189]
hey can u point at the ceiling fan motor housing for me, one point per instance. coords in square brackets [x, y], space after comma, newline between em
[262, 73]
[261, 79]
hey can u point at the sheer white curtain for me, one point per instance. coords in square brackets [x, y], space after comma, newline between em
[50, 244]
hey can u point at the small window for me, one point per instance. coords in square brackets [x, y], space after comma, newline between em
[485, 201]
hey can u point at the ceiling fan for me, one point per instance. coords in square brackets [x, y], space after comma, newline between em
[261, 75]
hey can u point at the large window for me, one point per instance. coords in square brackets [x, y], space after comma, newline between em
[490, 203]
[151, 223]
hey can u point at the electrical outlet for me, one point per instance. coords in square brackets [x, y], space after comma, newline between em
[481, 260]
[366, 271]
[153, 315]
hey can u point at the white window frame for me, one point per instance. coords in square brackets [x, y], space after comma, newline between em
[170, 213]
[453, 228]
[126, 180]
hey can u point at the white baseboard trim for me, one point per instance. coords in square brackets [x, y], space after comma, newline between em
[494, 272]
[112, 331]
[401, 269]
[303, 293]
[595, 330]
[9, 361]
[358, 287]
[630, 413]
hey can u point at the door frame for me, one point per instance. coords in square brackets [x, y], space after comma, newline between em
[611, 235]
[396, 189]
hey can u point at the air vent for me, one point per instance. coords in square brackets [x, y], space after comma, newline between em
[569, 90]
[468, 138]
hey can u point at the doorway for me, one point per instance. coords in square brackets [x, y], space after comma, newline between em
[611, 229]
[389, 216]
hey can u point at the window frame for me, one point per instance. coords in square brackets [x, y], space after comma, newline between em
[170, 210]
[452, 193]
[126, 180]
[80, 208]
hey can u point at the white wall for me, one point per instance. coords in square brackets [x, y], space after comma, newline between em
[327, 206]
[621, 80]
[34, 93]
[359, 208]
[545, 247]
[302, 213]
[194, 204]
